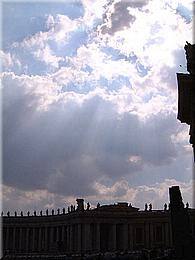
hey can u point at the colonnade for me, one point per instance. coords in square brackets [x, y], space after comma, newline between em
[86, 237]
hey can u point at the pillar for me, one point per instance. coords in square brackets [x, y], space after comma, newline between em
[71, 238]
[51, 237]
[63, 233]
[112, 238]
[27, 240]
[20, 240]
[131, 238]
[33, 239]
[14, 239]
[151, 235]
[6, 246]
[39, 240]
[46, 239]
[68, 237]
[125, 236]
[147, 235]
[87, 237]
[98, 237]
[79, 238]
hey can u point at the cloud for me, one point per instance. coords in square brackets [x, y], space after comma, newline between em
[157, 194]
[85, 110]
[52, 139]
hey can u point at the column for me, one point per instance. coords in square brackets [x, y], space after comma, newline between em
[151, 235]
[147, 235]
[112, 238]
[57, 234]
[98, 237]
[51, 237]
[14, 239]
[79, 248]
[71, 246]
[27, 240]
[68, 237]
[6, 246]
[87, 237]
[63, 233]
[125, 236]
[39, 240]
[33, 239]
[20, 240]
[131, 238]
[170, 234]
[46, 239]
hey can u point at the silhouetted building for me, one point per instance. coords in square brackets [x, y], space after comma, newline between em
[106, 228]
[186, 92]
[182, 237]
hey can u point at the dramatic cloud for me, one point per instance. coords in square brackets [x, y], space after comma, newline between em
[90, 102]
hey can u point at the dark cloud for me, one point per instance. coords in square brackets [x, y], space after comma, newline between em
[68, 147]
[120, 17]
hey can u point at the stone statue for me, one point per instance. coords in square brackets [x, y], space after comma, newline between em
[165, 206]
[52, 212]
[63, 211]
[35, 213]
[2, 213]
[150, 207]
[47, 212]
[21, 213]
[8, 213]
[98, 205]
[15, 214]
[68, 209]
[28, 213]
[58, 210]
[187, 205]
[74, 208]
[146, 207]
[41, 213]
[88, 206]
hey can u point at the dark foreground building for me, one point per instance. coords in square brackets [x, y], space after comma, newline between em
[186, 93]
[107, 228]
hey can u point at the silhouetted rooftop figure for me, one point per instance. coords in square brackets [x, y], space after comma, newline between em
[52, 212]
[88, 205]
[47, 212]
[41, 213]
[28, 213]
[187, 205]
[80, 204]
[63, 211]
[35, 213]
[21, 213]
[165, 207]
[15, 213]
[8, 213]
[146, 207]
[68, 209]
[150, 207]
[190, 56]
[58, 211]
[98, 205]
[2, 213]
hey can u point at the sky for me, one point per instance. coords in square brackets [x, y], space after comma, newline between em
[89, 102]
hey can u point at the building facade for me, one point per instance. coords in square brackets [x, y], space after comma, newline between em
[186, 93]
[107, 228]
